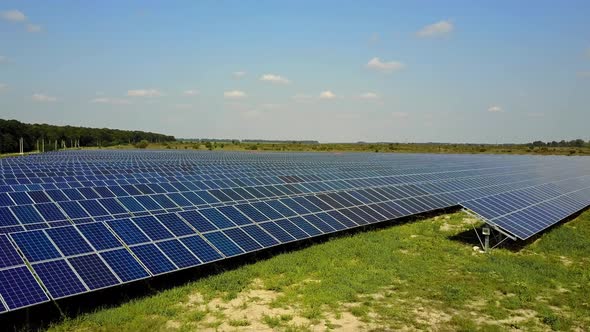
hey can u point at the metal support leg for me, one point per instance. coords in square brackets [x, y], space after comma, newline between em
[486, 232]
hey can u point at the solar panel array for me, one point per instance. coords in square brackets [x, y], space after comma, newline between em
[79, 221]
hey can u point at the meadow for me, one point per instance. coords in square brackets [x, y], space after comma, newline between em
[420, 275]
[367, 147]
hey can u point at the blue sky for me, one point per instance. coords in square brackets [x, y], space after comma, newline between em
[335, 71]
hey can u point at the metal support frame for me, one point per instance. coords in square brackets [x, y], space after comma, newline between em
[489, 230]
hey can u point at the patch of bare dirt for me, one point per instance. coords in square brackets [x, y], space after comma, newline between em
[252, 306]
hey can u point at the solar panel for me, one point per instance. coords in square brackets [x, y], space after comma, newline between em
[86, 220]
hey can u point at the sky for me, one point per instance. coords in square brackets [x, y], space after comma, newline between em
[333, 71]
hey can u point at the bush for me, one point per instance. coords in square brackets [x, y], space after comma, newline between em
[142, 144]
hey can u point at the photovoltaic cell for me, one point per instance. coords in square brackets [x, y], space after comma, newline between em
[93, 271]
[99, 236]
[69, 241]
[178, 253]
[35, 245]
[173, 196]
[200, 248]
[19, 288]
[124, 265]
[59, 279]
[224, 244]
[153, 259]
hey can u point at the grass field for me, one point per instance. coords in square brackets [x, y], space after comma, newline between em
[411, 276]
[372, 147]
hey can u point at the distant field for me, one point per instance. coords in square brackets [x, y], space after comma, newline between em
[411, 276]
[356, 147]
[362, 147]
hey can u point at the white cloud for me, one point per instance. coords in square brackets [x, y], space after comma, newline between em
[495, 109]
[238, 74]
[190, 93]
[274, 79]
[234, 94]
[400, 115]
[385, 67]
[327, 95]
[144, 93]
[34, 28]
[110, 101]
[43, 98]
[438, 29]
[369, 95]
[3, 86]
[13, 16]
[4, 59]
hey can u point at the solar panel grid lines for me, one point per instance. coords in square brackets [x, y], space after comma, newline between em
[160, 207]
[529, 225]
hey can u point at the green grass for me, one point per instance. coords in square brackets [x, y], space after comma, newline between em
[404, 276]
[371, 147]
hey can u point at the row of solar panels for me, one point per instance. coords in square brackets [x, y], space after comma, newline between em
[76, 259]
[222, 180]
[38, 209]
[526, 212]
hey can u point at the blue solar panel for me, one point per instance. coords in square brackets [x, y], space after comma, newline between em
[223, 244]
[124, 265]
[153, 259]
[99, 236]
[306, 226]
[153, 228]
[73, 209]
[319, 226]
[277, 232]
[235, 215]
[7, 218]
[5, 200]
[112, 205]
[35, 245]
[94, 208]
[178, 253]
[128, 231]
[200, 248]
[252, 213]
[217, 218]
[197, 220]
[260, 235]
[8, 254]
[93, 271]
[267, 210]
[292, 229]
[19, 288]
[175, 224]
[21, 198]
[242, 239]
[69, 241]
[174, 195]
[59, 279]
[27, 214]
[131, 204]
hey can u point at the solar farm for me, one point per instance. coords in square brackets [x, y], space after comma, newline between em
[75, 222]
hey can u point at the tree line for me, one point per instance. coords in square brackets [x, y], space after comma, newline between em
[576, 143]
[34, 134]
